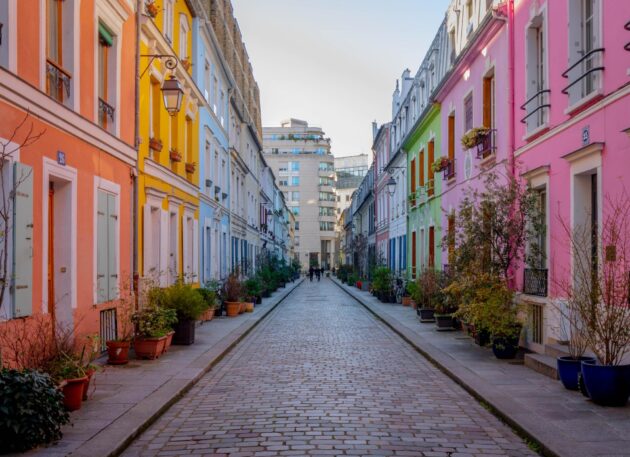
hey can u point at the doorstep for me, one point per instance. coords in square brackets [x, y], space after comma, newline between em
[127, 399]
[563, 423]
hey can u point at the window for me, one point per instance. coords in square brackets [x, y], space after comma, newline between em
[326, 226]
[6, 30]
[295, 210]
[431, 247]
[105, 77]
[347, 198]
[412, 176]
[468, 112]
[297, 225]
[295, 196]
[421, 167]
[222, 108]
[431, 152]
[190, 243]
[183, 37]
[174, 132]
[488, 102]
[451, 238]
[283, 168]
[295, 166]
[188, 141]
[168, 20]
[106, 247]
[326, 197]
[326, 181]
[215, 86]
[451, 144]
[207, 82]
[326, 166]
[57, 78]
[154, 110]
[295, 180]
[326, 211]
[537, 103]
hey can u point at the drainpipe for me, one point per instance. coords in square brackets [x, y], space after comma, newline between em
[135, 171]
[512, 134]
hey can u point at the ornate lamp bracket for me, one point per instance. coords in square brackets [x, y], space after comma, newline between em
[170, 61]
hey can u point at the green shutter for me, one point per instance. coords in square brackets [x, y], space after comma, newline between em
[22, 284]
[105, 35]
[112, 222]
[102, 263]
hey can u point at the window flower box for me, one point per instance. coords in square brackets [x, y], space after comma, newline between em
[175, 155]
[155, 144]
[151, 9]
[475, 137]
[186, 63]
[190, 167]
[440, 164]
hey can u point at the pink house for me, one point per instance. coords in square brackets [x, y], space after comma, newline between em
[572, 131]
[381, 150]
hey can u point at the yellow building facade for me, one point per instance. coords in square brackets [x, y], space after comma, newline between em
[168, 158]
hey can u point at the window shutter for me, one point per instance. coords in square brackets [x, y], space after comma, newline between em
[112, 258]
[162, 249]
[102, 248]
[186, 254]
[195, 259]
[147, 244]
[22, 240]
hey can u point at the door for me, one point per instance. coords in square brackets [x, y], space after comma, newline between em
[51, 253]
[431, 247]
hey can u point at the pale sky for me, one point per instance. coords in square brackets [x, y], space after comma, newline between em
[334, 63]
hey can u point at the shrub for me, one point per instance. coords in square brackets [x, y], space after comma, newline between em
[185, 300]
[232, 288]
[427, 289]
[382, 280]
[31, 410]
[252, 287]
[209, 296]
[352, 279]
[154, 321]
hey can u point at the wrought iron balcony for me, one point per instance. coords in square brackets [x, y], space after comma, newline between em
[535, 281]
[536, 108]
[487, 146]
[449, 171]
[627, 45]
[581, 74]
[105, 113]
[57, 81]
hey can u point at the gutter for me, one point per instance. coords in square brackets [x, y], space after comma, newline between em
[136, 171]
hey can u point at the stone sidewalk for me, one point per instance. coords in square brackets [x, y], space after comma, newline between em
[564, 423]
[124, 400]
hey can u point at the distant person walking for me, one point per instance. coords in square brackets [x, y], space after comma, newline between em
[318, 273]
[310, 273]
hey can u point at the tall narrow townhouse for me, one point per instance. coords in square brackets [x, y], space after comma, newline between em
[67, 144]
[404, 114]
[572, 135]
[474, 94]
[364, 255]
[244, 140]
[214, 79]
[423, 145]
[381, 150]
[168, 175]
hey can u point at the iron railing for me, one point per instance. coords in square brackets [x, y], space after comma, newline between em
[108, 324]
[449, 171]
[106, 113]
[586, 72]
[627, 27]
[487, 145]
[58, 81]
[542, 97]
[535, 281]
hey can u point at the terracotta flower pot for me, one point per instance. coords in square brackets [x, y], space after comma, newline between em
[149, 348]
[88, 375]
[73, 392]
[242, 308]
[249, 307]
[207, 315]
[169, 341]
[118, 352]
[406, 301]
[232, 308]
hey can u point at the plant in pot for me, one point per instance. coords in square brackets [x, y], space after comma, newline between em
[118, 348]
[252, 289]
[232, 291]
[152, 327]
[599, 287]
[32, 410]
[209, 297]
[188, 305]
[427, 293]
[382, 283]
[68, 372]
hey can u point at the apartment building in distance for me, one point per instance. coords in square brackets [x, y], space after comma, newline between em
[300, 158]
[349, 172]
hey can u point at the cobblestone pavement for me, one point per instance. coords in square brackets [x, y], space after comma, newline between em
[321, 376]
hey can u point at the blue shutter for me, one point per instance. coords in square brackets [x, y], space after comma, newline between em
[22, 283]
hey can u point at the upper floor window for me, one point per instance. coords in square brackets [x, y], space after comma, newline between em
[6, 26]
[295, 166]
[537, 102]
[106, 78]
[468, 112]
[58, 50]
[183, 37]
[168, 20]
[585, 51]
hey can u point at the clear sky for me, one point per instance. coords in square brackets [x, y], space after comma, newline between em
[334, 63]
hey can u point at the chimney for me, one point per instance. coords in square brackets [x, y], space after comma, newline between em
[374, 130]
[406, 81]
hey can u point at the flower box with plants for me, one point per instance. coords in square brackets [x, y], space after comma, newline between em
[187, 305]
[232, 293]
[186, 63]
[440, 164]
[190, 167]
[475, 137]
[151, 8]
[152, 327]
[155, 144]
[175, 155]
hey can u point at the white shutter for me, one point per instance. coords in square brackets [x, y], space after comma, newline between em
[147, 243]
[102, 249]
[162, 249]
[23, 240]
[112, 258]
[195, 259]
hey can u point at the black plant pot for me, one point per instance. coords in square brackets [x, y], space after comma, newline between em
[505, 348]
[568, 370]
[607, 385]
[426, 314]
[482, 337]
[444, 322]
[266, 293]
[184, 332]
[258, 300]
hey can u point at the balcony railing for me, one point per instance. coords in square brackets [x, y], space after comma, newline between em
[536, 109]
[449, 171]
[487, 145]
[58, 81]
[586, 67]
[535, 281]
[105, 113]
[627, 45]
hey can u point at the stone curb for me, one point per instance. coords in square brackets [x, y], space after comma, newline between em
[552, 441]
[115, 438]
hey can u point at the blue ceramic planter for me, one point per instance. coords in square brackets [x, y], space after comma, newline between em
[607, 385]
[568, 369]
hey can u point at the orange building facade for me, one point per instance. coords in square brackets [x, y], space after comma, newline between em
[67, 102]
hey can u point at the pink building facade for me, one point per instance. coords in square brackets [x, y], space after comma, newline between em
[572, 132]
[381, 151]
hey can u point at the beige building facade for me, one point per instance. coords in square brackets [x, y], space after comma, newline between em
[303, 165]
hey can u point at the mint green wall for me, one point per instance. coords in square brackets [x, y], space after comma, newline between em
[428, 210]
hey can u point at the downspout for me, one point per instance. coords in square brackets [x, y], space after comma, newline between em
[512, 135]
[135, 172]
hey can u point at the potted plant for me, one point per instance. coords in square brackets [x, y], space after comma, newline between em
[382, 283]
[175, 155]
[474, 137]
[32, 410]
[68, 371]
[155, 144]
[209, 296]
[152, 328]
[118, 348]
[190, 167]
[151, 9]
[601, 293]
[186, 63]
[188, 305]
[440, 164]
[427, 294]
[232, 290]
[252, 290]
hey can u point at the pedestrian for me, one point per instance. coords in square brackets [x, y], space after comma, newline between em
[310, 273]
[318, 273]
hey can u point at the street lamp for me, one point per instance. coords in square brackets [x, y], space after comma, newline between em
[391, 186]
[172, 92]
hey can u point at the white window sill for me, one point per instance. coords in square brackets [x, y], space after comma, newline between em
[580, 103]
[535, 132]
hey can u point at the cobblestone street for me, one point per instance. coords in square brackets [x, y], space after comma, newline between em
[321, 376]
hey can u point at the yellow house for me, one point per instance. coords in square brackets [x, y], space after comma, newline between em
[168, 202]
